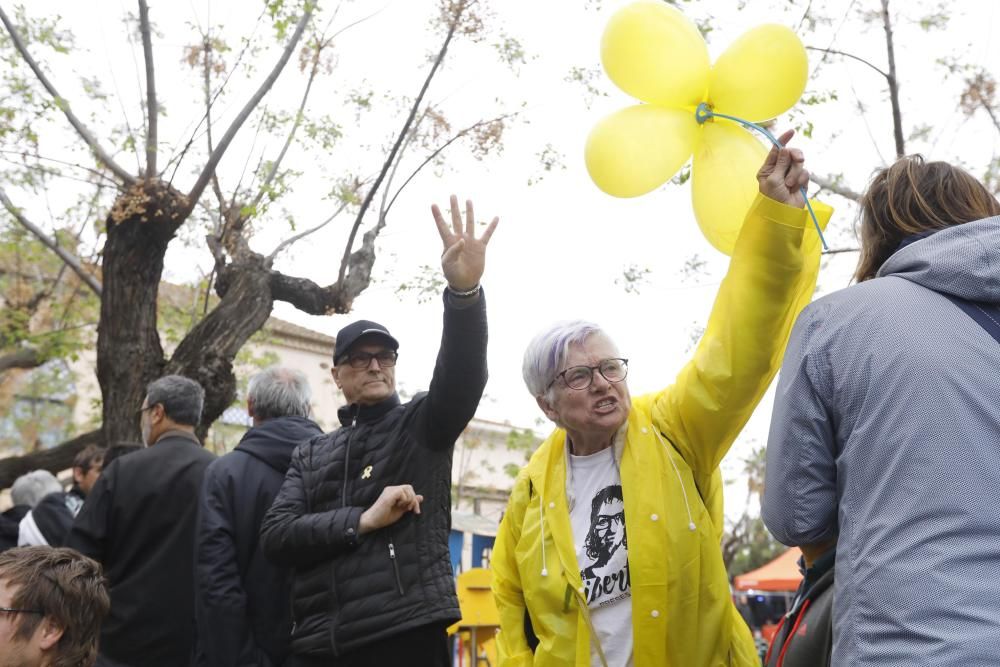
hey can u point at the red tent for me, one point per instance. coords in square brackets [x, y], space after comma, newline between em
[781, 574]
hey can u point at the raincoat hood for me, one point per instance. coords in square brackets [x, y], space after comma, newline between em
[962, 261]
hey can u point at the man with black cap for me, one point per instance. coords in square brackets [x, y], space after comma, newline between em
[364, 513]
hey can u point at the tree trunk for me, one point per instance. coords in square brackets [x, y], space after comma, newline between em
[206, 354]
[129, 355]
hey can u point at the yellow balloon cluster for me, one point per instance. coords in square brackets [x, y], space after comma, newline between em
[655, 54]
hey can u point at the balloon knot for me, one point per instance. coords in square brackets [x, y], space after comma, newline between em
[703, 113]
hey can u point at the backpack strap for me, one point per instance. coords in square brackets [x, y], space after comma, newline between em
[986, 315]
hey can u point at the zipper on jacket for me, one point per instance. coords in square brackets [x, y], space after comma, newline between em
[347, 455]
[395, 567]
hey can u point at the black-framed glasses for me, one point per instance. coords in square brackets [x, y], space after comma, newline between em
[580, 377]
[11, 610]
[361, 360]
[138, 413]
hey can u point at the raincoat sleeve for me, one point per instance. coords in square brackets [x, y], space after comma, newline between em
[800, 499]
[771, 277]
[512, 644]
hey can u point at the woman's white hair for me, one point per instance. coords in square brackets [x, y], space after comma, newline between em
[30, 488]
[546, 353]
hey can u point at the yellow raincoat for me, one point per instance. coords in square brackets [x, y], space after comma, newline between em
[682, 611]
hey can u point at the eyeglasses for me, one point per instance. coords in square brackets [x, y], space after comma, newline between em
[362, 360]
[138, 413]
[581, 377]
[10, 610]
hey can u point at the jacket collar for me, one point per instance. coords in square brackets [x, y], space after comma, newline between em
[177, 434]
[366, 414]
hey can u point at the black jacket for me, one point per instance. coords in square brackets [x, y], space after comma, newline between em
[9, 522]
[351, 590]
[138, 522]
[242, 600]
[805, 636]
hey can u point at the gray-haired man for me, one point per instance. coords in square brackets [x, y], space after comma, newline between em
[138, 521]
[243, 607]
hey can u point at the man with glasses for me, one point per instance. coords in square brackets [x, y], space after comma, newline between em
[609, 549]
[139, 523]
[364, 513]
[52, 602]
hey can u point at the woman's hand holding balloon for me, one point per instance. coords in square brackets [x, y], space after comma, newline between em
[783, 175]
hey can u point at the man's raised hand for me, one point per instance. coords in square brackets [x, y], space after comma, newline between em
[464, 256]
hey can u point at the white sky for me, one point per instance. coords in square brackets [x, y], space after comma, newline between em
[562, 243]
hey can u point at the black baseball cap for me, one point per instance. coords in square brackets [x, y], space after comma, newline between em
[355, 331]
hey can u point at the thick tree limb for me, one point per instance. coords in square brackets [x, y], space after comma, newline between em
[54, 460]
[346, 259]
[152, 109]
[227, 138]
[102, 156]
[26, 357]
[70, 260]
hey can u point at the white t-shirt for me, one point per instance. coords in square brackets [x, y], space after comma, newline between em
[598, 520]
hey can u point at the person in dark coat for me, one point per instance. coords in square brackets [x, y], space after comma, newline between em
[139, 523]
[804, 637]
[364, 513]
[242, 600]
[26, 492]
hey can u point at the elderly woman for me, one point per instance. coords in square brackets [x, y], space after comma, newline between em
[886, 427]
[608, 553]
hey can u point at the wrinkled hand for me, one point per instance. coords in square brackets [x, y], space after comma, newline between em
[783, 174]
[464, 257]
[392, 504]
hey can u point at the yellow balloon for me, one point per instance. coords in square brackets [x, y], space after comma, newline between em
[639, 148]
[724, 181]
[656, 54]
[761, 75]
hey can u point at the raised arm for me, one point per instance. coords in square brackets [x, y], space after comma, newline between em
[460, 370]
[771, 277]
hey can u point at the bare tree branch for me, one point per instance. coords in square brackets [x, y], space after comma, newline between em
[299, 115]
[897, 120]
[207, 75]
[227, 138]
[833, 186]
[345, 260]
[848, 55]
[298, 237]
[440, 149]
[51, 244]
[152, 109]
[102, 155]
[838, 251]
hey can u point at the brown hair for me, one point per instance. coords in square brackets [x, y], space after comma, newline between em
[912, 196]
[88, 457]
[68, 589]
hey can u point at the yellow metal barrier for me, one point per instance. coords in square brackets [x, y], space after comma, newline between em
[480, 619]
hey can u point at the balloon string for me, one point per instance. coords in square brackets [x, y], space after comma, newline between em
[704, 112]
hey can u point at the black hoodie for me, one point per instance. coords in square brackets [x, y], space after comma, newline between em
[243, 607]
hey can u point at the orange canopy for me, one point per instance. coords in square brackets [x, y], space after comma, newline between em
[781, 574]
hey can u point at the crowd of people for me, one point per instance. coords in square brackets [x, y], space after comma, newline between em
[305, 549]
